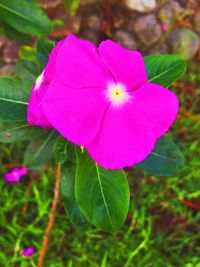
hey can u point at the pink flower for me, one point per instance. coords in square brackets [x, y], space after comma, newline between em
[100, 98]
[164, 27]
[15, 174]
[28, 251]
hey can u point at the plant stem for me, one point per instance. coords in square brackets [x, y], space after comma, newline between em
[26, 205]
[51, 217]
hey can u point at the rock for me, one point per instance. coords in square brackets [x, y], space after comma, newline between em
[71, 24]
[120, 16]
[184, 42]
[10, 52]
[89, 35]
[48, 4]
[88, 2]
[142, 6]
[159, 49]
[197, 22]
[74, 23]
[7, 70]
[160, 3]
[125, 39]
[168, 11]
[118, 21]
[93, 22]
[193, 4]
[147, 29]
[2, 44]
[177, 7]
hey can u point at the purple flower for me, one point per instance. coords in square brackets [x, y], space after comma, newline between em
[15, 174]
[28, 251]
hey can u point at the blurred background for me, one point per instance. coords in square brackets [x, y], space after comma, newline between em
[163, 225]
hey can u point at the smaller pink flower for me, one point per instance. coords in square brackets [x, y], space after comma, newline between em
[164, 27]
[15, 174]
[28, 251]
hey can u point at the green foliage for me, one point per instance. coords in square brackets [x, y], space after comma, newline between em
[72, 5]
[164, 69]
[40, 149]
[27, 53]
[64, 151]
[165, 160]
[13, 99]
[60, 150]
[43, 49]
[14, 95]
[66, 156]
[25, 17]
[103, 196]
[27, 70]
[17, 131]
[68, 196]
[14, 34]
[158, 232]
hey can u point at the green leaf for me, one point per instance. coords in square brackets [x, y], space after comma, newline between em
[15, 131]
[60, 150]
[67, 191]
[102, 195]
[57, 23]
[14, 96]
[25, 17]
[13, 99]
[72, 5]
[10, 132]
[14, 34]
[43, 49]
[27, 52]
[40, 149]
[66, 156]
[64, 151]
[164, 69]
[27, 70]
[165, 160]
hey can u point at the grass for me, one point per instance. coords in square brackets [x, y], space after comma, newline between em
[162, 228]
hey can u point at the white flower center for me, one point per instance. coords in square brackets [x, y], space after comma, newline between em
[117, 94]
[39, 81]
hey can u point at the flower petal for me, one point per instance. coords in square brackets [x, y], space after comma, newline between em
[28, 251]
[126, 66]
[15, 174]
[75, 113]
[158, 105]
[35, 115]
[124, 139]
[79, 65]
[50, 68]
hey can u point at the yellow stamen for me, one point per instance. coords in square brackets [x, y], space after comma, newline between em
[82, 149]
[117, 94]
